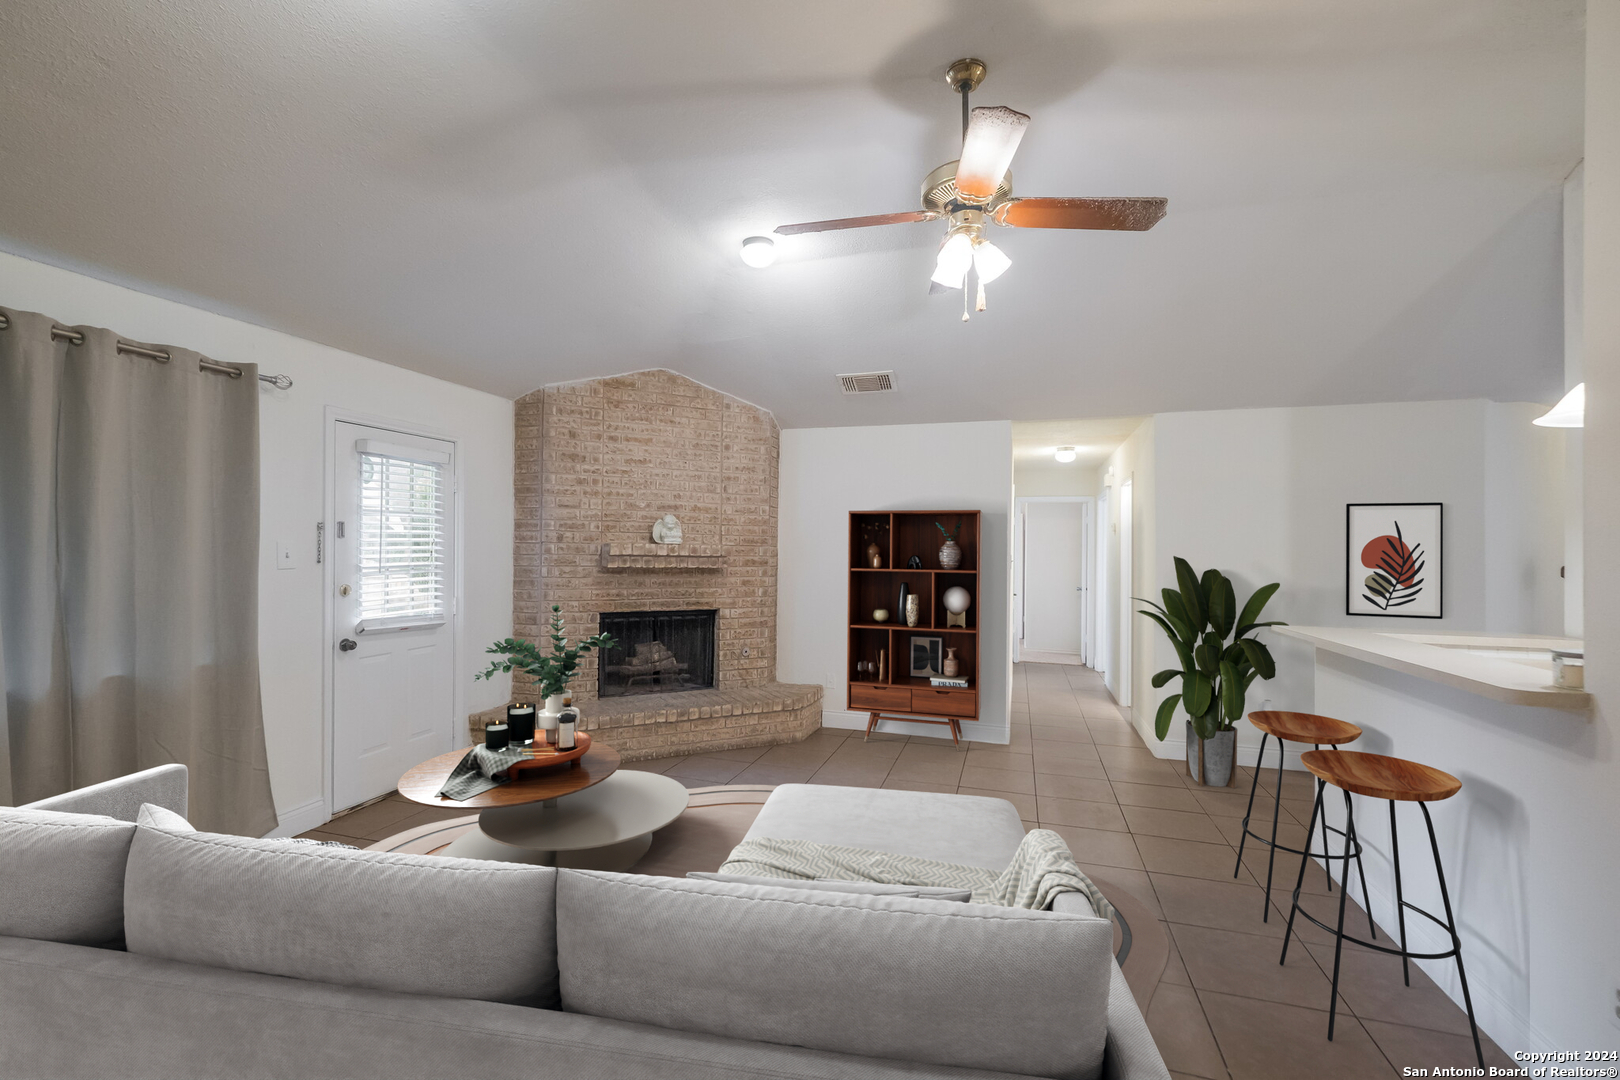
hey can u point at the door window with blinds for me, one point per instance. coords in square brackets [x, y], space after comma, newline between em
[402, 535]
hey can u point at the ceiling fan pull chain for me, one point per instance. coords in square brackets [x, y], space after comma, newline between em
[964, 302]
[980, 305]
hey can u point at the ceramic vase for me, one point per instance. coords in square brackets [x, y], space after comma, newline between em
[949, 667]
[950, 555]
[913, 609]
[874, 556]
[548, 715]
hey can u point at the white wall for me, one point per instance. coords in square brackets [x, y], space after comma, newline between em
[1580, 1009]
[292, 648]
[1051, 479]
[1268, 504]
[826, 473]
[1134, 461]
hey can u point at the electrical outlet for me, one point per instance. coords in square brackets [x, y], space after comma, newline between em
[284, 556]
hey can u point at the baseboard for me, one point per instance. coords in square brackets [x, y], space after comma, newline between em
[972, 730]
[1030, 656]
[300, 819]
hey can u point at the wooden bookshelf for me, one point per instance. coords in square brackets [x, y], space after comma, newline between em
[898, 695]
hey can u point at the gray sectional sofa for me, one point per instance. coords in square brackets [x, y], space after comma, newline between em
[134, 951]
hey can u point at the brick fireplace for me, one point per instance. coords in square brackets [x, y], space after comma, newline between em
[597, 463]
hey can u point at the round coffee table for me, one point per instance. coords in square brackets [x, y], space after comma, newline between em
[590, 815]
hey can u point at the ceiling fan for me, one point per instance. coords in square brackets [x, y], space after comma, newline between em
[977, 190]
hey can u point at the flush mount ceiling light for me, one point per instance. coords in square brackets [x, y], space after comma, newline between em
[759, 251]
[976, 191]
[1569, 412]
[1064, 454]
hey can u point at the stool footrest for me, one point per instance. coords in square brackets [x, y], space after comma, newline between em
[1384, 948]
[1311, 854]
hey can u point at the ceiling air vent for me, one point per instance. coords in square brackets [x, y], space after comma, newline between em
[868, 382]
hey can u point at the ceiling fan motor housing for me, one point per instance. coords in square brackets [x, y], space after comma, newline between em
[939, 193]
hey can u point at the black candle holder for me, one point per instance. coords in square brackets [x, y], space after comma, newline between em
[495, 737]
[520, 723]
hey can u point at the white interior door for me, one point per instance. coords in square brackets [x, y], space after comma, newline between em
[393, 553]
[1127, 582]
[1104, 659]
[1054, 583]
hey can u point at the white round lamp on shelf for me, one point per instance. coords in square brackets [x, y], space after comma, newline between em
[957, 600]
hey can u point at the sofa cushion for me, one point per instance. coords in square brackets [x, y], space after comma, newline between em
[416, 924]
[917, 980]
[62, 875]
[969, 829]
[866, 888]
[156, 817]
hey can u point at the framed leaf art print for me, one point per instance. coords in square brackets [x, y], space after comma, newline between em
[1394, 559]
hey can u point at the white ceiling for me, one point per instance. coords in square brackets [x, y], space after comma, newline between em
[1094, 440]
[1363, 193]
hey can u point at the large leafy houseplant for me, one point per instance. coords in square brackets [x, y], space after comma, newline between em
[1215, 673]
[551, 670]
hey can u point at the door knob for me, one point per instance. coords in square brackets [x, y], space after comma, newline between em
[348, 644]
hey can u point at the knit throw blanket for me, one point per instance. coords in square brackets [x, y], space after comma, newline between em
[1041, 868]
[479, 771]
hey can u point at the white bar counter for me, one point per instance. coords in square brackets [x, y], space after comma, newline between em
[1483, 708]
[1516, 669]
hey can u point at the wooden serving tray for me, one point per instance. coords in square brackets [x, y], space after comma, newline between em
[540, 756]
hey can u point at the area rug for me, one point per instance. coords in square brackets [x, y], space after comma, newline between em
[716, 821]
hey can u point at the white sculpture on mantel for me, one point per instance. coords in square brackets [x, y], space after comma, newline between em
[667, 530]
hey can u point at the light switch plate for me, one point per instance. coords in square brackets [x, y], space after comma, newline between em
[284, 556]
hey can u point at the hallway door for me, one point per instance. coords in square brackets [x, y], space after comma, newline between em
[1055, 585]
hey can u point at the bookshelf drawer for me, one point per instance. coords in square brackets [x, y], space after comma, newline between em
[867, 696]
[947, 702]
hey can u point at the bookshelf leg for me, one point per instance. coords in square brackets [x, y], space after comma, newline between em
[870, 724]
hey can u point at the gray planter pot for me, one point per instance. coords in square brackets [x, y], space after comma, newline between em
[1218, 756]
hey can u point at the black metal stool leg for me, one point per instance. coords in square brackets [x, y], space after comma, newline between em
[1253, 787]
[1344, 895]
[1456, 941]
[1400, 898]
[1316, 811]
[1327, 871]
[1276, 812]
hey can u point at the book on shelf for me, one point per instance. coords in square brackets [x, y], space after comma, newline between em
[940, 680]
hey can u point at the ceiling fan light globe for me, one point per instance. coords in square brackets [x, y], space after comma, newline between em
[758, 251]
[955, 256]
[989, 261]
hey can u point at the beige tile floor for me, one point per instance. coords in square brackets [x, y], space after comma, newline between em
[1224, 1007]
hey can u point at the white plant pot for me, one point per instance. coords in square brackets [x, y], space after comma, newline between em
[547, 717]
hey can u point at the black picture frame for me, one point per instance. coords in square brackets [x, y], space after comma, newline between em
[1426, 567]
[931, 651]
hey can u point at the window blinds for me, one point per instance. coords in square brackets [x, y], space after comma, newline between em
[402, 530]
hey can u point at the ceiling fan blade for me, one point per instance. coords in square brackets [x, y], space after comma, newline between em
[987, 150]
[856, 222]
[1131, 215]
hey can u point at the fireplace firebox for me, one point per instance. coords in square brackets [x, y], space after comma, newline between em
[658, 652]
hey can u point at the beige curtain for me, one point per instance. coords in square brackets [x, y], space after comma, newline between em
[129, 538]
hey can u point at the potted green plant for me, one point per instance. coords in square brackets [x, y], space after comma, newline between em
[551, 671]
[1215, 672]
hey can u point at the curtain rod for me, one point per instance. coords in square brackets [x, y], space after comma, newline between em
[62, 333]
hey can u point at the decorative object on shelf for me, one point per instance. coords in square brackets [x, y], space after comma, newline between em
[914, 563]
[945, 682]
[567, 722]
[905, 594]
[495, 736]
[913, 609]
[926, 656]
[950, 553]
[1215, 674]
[957, 600]
[880, 614]
[1393, 559]
[519, 724]
[880, 664]
[551, 671]
[874, 556]
[667, 530]
[949, 666]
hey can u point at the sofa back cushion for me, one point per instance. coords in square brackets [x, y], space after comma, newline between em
[918, 980]
[415, 924]
[62, 876]
[866, 888]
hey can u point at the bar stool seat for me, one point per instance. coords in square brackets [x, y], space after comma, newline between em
[1302, 727]
[1393, 779]
[1380, 777]
[1318, 731]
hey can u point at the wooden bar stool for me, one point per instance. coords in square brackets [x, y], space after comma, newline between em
[1378, 777]
[1287, 727]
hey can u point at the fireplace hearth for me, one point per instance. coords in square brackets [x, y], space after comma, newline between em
[658, 652]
